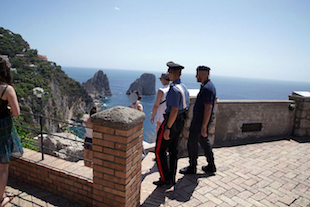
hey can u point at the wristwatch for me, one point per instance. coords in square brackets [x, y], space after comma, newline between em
[166, 127]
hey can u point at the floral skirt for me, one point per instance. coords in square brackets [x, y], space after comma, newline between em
[10, 144]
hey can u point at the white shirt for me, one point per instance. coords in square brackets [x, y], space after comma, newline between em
[162, 107]
[89, 131]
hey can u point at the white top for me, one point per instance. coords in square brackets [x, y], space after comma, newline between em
[162, 107]
[89, 131]
[136, 105]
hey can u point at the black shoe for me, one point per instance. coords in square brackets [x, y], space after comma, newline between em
[188, 170]
[161, 183]
[209, 168]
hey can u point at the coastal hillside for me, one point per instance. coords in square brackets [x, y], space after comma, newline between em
[62, 97]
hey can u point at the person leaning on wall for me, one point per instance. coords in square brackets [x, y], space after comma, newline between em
[10, 144]
[134, 98]
[88, 148]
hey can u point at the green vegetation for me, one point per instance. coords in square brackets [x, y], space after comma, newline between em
[11, 44]
[60, 91]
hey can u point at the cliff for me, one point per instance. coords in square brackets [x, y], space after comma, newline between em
[63, 97]
[98, 86]
[145, 85]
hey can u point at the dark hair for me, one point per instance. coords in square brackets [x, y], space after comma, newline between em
[5, 70]
[134, 91]
[93, 110]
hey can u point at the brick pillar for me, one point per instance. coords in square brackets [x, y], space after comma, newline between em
[302, 115]
[117, 156]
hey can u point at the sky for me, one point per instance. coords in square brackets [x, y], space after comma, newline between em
[268, 39]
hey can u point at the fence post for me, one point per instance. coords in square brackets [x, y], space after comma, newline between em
[41, 128]
[117, 156]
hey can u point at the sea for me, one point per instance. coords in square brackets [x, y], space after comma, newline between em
[226, 87]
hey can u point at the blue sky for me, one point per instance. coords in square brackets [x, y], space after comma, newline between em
[267, 39]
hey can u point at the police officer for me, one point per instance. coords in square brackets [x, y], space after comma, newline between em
[202, 113]
[169, 131]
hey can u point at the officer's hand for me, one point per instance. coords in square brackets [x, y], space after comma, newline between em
[204, 131]
[167, 134]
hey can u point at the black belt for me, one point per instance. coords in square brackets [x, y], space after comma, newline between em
[179, 116]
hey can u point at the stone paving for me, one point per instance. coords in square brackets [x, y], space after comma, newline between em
[30, 196]
[264, 174]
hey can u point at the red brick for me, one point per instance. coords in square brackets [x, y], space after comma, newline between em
[120, 187]
[103, 129]
[120, 174]
[123, 133]
[121, 147]
[97, 135]
[115, 152]
[120, 199]
[97, 161]
[98, 174]
[115, 138]
[97, 148]
[114, 179]
[114, 192]
[108, 144]
[114, 166]
[98, 198]
[119, 160]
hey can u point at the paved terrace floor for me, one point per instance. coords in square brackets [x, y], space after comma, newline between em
[263, 174]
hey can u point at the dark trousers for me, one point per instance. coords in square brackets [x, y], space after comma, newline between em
[162, 145]
[192, 147]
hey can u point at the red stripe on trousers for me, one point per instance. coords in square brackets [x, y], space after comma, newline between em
[159, 164]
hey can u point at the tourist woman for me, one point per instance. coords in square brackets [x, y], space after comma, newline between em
[160, 105]
[10, 144]
[134, 98]
[88, 149]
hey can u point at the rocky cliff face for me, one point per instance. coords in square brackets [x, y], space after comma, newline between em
[98, 86]
[63, 98]
[145, 85]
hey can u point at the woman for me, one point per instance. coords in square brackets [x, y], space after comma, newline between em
[136, 104]
[88, 150]
[10, 144]
[160, 102]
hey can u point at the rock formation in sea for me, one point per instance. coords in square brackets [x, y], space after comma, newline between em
[145, 85]
[98, 86]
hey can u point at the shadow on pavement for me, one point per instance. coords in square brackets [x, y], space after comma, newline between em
[182, 191]
[28, 195]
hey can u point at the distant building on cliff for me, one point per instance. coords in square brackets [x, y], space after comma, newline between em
[42, 57]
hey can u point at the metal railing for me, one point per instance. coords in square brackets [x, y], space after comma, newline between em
[75, 129]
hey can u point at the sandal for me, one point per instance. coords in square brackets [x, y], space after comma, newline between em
[5, 200]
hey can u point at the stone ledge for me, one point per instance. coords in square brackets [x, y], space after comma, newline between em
[118, 117]
[252, 101]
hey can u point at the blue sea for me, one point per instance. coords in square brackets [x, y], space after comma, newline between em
[227, 88]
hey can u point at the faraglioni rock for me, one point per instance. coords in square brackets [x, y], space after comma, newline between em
[145, 85]
[98, 86]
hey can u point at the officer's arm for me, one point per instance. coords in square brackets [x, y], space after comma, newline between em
[172, 116]
[206, 118]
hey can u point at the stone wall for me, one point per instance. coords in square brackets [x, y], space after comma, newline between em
[185, 133]
[275, 117]
[302, 116]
